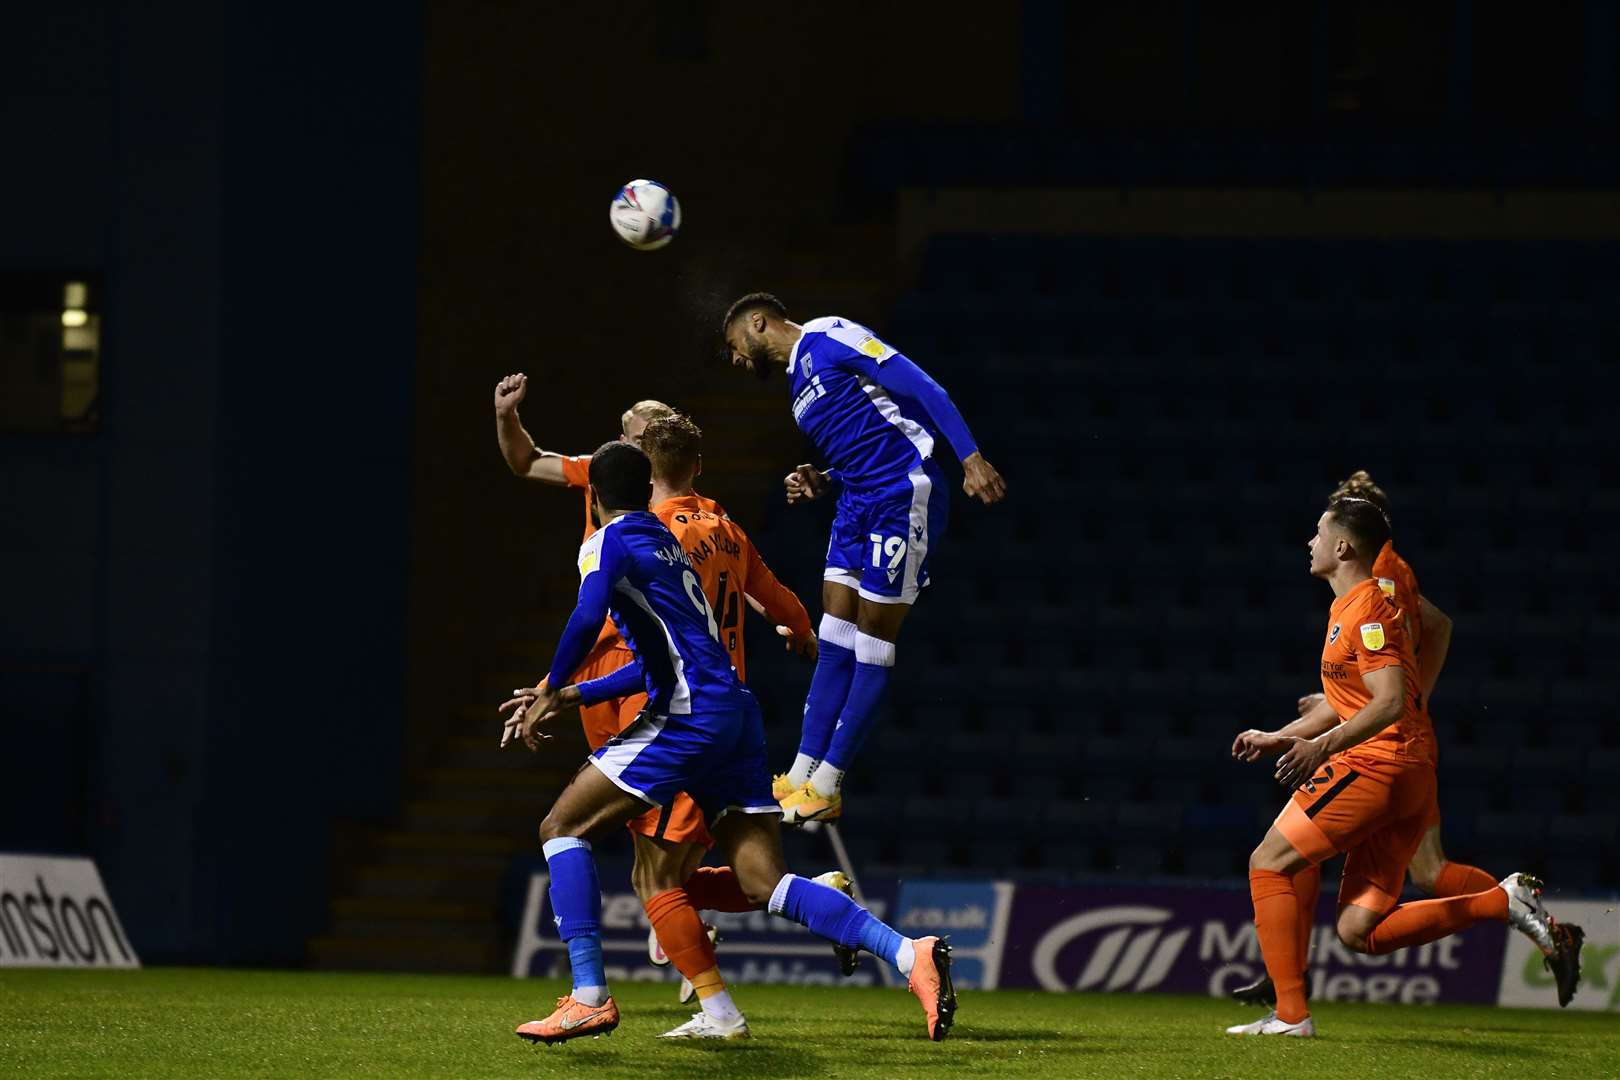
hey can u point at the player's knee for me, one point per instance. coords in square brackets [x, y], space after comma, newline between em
[1353, 933]
[649, 881]
[1354, 939]
[758, 882]
[1424, 875]
[554, 827]
[1263, 859]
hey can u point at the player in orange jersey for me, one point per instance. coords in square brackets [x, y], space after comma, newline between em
[1362, 782]
[670, 842]
[1429, 630]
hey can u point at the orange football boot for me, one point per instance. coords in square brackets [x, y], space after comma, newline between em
[572, 1021]
[930, 981]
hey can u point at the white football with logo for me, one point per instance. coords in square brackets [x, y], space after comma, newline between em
[645, 214]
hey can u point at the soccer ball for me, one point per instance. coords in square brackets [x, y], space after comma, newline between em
[645, 214]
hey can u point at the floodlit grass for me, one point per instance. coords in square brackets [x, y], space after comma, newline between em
[217, 1024]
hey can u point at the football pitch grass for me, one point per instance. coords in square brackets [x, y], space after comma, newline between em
[219, 1024]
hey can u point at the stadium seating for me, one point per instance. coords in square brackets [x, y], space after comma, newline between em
[1170, 415]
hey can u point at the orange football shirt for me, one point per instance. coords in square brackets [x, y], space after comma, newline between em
[1366, 634]
[1397, 581]
[730, 569]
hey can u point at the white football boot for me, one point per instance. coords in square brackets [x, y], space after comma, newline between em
[1526, 913]
[704, 1026]
[1270, 1025]
[656, 956]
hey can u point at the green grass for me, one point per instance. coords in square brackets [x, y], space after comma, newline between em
[218, 1024]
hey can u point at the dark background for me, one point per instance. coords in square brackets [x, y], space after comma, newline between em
[1183, 265]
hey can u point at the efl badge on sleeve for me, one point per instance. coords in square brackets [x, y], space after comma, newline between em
[1387, 587]
[1372, 635]
[874, 348]
[587, 563]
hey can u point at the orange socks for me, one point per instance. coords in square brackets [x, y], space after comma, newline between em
[1423, 921]
[1460, 879]
[1307, 891]
[681, 933]
[715, 888]
[1276, 920]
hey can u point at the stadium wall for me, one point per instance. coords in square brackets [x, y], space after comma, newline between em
[1113, 938]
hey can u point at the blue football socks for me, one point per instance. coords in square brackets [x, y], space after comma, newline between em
[576, 901]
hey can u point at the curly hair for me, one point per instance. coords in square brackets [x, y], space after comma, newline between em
[753, 301]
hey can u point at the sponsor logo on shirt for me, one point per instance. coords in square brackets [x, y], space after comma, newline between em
[809, 394]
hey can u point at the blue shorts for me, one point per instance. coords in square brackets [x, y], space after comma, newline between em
[718, 758]
[881, 537]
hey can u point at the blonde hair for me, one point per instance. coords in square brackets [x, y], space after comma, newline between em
[649, 410]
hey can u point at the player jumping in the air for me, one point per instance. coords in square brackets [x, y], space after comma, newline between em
[1429, 629]
[669, 844]
[1362, 783]
[700, 733]
[877, 418]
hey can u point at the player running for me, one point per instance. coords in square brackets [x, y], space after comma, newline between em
[669, 844]
[1429, 629]
[1362, 783]
[700, 733]
[876, 417]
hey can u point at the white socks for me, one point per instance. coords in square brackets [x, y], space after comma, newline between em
[803, 765]
[721, 1007]
[906, 957]
[589, 996]
[827, 779]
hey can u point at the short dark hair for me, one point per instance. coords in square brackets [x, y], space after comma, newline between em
[1360, 485]
[753, 301]
[673, 444]
[1364, 521]
[621, 476]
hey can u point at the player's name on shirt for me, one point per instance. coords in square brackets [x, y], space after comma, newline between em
[723, 545]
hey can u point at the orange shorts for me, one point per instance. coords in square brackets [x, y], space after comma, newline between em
[681, 821]
[1373, 811]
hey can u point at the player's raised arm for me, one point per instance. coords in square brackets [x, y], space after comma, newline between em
[896, 372]
[1434, 646]
[522, 456]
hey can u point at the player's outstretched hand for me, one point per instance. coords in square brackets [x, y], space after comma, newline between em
[805, 483]
[1309, 702]
[981, 481]
[516, 705]
[1300, 762]
[509, 393]
[1254, 744]
[805, 646]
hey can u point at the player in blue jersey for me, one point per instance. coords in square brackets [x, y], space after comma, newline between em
[877, 419]
[700, 733]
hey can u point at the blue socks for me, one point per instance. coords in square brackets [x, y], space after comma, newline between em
[836, 917]
[576, 901]
[874, 661]
[829, 686]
